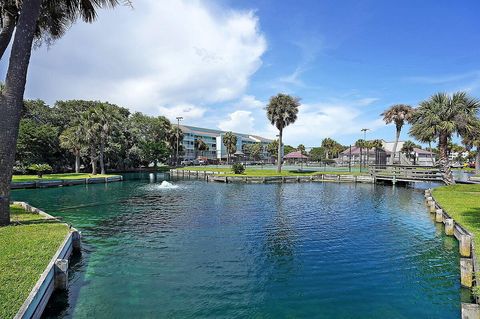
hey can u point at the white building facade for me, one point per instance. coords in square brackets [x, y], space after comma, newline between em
[214, 140]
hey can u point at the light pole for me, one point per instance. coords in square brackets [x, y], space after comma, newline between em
[178, 137]
[364, 130]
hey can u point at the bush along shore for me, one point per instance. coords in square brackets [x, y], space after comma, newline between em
[458, 207]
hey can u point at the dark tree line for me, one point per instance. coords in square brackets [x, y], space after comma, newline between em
[92, 135]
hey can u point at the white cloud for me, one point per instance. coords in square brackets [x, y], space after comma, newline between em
[238, 121]
[187, 111]
[158, 54]
[249, 101]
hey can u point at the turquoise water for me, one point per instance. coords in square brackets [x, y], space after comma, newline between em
[212, 250]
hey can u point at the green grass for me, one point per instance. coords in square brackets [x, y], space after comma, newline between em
[26, 247]
[52, 177]
[462, 203]
[267, 172]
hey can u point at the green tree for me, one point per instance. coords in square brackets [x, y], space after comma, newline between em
[40, 169]
[328, 145]
[443, 115]
[282, 111]
[230, 142]
[255, 151]
[317, 154]
[11, 95]
[472, 139]
[202, 146]
[301, 148]
[288, 149]
[272, 148]
[71, 140]
[398, 114]
[408, 149]
[362, 144]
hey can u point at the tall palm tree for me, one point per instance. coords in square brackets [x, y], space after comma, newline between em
[282, 111]
[108, 120]
[443, 115]
[71, 140]
[202, 146]
[398, 114]
[11, 96]
[230, 142]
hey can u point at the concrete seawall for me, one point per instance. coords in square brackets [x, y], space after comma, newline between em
[54, 277]
[65, 182]
[211, 176]
[468, 261]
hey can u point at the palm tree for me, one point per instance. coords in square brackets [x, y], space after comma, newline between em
[328, 144]
[282, 111]
[443, 115]
[71, 140]
[11, 96]
[408, 148]
[108, 120]
[361, 143]
[398, 114]
[230, 142]
[202, 146]
[90, 129]
[472, 139]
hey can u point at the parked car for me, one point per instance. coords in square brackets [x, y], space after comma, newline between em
[186, 162]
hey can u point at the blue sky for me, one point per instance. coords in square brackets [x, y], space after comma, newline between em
[217, 62]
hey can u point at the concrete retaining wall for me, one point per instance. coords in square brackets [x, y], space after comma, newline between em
[55, 275]
[219, 177]
[66, 182]
[468, 260]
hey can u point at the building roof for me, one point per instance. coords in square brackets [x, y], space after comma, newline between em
[420, 151]
[356, 151]
[214, 133]
[296, 155]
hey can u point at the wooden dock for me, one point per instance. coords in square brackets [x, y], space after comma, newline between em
[406, 173]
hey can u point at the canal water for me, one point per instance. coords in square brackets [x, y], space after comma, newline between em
[212, 250]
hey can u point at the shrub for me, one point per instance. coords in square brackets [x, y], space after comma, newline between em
[40, 169]
[238, 168]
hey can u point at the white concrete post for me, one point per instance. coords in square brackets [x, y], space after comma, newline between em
[439, 215]
[465, 245]
[449, 225]
[466, 272]
[61, 274]
[432, 207]
[470, 311]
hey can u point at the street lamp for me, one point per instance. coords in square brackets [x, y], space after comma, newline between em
[364, 130]
[178, 137]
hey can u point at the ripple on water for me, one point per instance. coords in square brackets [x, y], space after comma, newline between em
[232, 250]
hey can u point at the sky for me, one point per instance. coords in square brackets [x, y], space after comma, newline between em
[217, 63]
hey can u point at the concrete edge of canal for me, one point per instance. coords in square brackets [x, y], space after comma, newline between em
[468, 260]
[55, 276]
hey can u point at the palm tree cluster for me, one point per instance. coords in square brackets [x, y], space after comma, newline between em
[99, 134]
[438, 119]
[230, 143]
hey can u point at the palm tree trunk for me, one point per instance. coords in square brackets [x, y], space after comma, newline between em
[101, 159]
[279, 155]
[6, 33]
[93, 160]
[394, 151]
[431, 153]
[477, 161]
[11, 101]
[444, 162]
[77, 162]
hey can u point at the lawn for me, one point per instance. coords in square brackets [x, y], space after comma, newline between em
[256, 172]
[51, 177]
[26, 247]
[462, 203]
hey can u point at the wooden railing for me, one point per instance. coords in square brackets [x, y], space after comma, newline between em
[406, 173]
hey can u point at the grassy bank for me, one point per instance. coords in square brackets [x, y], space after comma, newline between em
[462, 203]
[256, 172]
[51, 177]
[26, 247]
